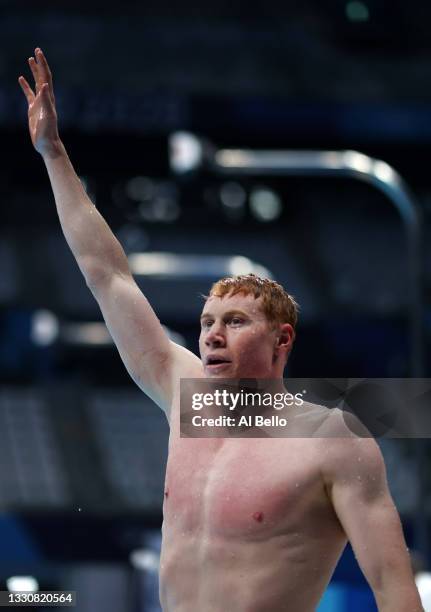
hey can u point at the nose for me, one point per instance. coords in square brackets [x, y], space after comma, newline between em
[216, 336]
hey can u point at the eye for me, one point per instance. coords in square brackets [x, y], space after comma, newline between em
[236, 321]
[206, 324]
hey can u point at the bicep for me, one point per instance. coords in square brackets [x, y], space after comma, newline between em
[144, 347]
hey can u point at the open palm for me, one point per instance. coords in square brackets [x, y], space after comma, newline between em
[42, 116]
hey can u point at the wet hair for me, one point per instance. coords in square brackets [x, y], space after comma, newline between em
[278, 305]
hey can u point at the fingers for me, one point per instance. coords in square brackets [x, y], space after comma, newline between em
[35, 71]
[28, 92]
[40, 70]
[43, 69]
[44, 93]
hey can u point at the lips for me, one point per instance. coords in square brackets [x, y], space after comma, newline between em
[218, 368]
[216, 360]
[216, 363]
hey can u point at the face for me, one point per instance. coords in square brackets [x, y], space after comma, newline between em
[236, 340]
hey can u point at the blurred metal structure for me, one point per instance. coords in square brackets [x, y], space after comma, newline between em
[179, 266]
[355, 165]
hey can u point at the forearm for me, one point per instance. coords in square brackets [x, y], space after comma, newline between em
[399, 599]
[96, 249]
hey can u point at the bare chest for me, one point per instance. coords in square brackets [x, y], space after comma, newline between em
[242, 488]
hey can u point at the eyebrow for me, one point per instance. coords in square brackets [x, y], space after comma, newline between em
[229, 313]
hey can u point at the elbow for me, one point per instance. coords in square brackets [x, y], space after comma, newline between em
[95, 280]
[95, 274]
[98, 271]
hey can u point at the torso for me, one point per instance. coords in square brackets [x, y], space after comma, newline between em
[248, 525]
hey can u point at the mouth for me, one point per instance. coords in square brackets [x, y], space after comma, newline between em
[216, 364]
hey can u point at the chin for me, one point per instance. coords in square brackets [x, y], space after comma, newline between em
[219, 374]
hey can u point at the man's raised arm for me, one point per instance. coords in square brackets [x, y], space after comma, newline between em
[151, 359]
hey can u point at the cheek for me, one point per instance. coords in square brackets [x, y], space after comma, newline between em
[201, 341]
[255, 345]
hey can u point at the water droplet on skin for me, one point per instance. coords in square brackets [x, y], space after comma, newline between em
[358, 478]
[296, 484]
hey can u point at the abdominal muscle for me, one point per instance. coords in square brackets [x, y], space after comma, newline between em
[205, 574]
[247, 527]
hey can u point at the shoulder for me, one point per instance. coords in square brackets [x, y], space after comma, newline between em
[347, 456]
[340, 424]
[318, 421]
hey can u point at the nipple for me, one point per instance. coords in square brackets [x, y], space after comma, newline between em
[167, 493]
[258, 516]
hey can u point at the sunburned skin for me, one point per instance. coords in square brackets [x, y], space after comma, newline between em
[248, 525]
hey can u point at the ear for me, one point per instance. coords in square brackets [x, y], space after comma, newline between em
[285, 337]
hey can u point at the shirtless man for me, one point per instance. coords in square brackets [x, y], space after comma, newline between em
[250, 524]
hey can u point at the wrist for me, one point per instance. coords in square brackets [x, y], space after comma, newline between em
[52, 149]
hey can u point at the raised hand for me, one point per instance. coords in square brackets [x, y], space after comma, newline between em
[42, 116]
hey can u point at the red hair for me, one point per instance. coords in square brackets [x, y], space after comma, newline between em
[278, 305]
